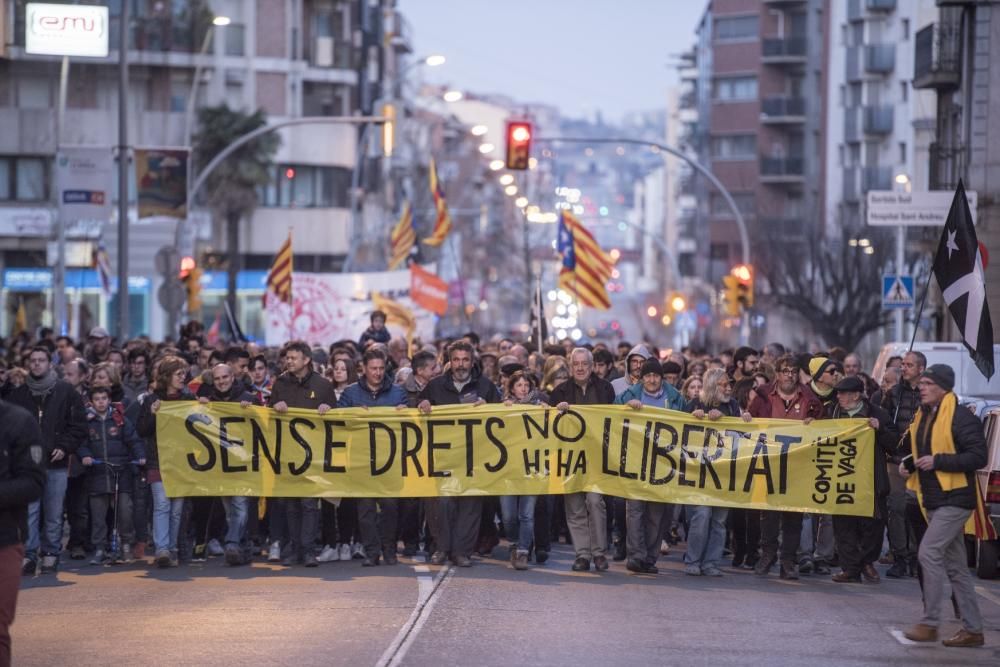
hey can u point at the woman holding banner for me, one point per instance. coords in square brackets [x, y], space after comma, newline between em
[707, 525]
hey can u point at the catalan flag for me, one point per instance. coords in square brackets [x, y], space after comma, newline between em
[396, 313]
[279, 278]
[585, 267]
[401, 239]
[442, 221]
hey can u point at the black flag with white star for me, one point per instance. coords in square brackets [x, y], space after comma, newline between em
[958, 267]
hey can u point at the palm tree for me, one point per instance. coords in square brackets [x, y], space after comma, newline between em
[232, 186]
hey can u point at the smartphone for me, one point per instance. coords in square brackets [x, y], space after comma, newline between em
[908, 463]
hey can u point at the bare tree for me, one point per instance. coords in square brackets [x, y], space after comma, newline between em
[832, 283]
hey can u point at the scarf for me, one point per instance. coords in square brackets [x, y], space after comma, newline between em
[942, 442]
[42, 386]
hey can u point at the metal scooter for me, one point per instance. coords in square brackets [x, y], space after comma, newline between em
[115, 547]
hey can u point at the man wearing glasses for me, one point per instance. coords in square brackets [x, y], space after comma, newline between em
[785, 398]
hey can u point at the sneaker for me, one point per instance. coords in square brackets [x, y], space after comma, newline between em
[328, 554]
[77, 553]
[100, 558]
[357, 551]
[806, 566]
[512, 553]
[439, 558]
[789, 570]
[214, 549]
[233, 554]
[28, 567]
[274, 552]
[521, 561]
[692, 570]
[581, 564]
[821, 568]
[126, 557]
[345, 552]
[163, 558]
[711, 571]
[664, 548]
[49, 564]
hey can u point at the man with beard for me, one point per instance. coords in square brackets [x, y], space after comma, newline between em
[59, 410]
[785, 398]
[454, 522]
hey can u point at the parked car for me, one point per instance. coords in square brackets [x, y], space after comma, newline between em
[988, 551]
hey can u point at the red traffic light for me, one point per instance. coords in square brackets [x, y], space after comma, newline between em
[518, 145]
[187, 266]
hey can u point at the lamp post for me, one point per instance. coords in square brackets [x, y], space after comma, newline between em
[217, 22]
[902, 185]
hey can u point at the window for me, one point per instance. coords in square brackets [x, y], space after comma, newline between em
[736, 88]
[23, 179]
[304, 186]
[906, 29]
[719, 207]
[736, 27]
[902, 152]
[734, 147]
[235, 39]
[904, 90]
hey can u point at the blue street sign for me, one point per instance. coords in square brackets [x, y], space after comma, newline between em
[897, 292]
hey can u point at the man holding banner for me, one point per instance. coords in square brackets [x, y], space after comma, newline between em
[454, 522]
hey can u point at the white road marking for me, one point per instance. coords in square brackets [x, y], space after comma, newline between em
[422, 569]
[428, 592]
[992, 597]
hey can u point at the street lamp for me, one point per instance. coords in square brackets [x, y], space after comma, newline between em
[434, 60]
[218, 22]
[902, 185]
[453, 95]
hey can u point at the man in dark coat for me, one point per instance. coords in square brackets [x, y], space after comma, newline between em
[60, 413]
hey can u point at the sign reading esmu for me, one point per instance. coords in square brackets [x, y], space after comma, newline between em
[651, 454]
[66, 30]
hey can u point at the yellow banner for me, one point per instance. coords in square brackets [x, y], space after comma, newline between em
[221, 449]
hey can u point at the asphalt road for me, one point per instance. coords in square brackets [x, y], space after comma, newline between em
[414, 614]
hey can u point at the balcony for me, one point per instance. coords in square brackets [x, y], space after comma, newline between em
[880, 58]
[946, 166]
[937, 57]
[876, 178]
[880, 5]
[783, 51]
[783, 109]
[851, 194]
[878, 119]
[852, 126]
[779, 170]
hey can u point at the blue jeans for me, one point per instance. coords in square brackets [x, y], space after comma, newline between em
[166, 518]
[519, 520]
[706, 535]
[237, 516]
[50, 507]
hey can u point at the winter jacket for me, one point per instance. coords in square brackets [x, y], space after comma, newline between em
[60, 415]
[595, 392]
[671, 398]
[236, 394]
[111, 438]
[730, 408]
[908, 399]
[310, 392]
[22, 471]
[625, 381]
[380, 336]
[886, 439]
[359, 394]
[970, 455]
[134, 388]
[412, 391]
[766, 403]
[146, 424]
[442, 391]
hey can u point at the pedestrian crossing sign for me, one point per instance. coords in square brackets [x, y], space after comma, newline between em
[897, 292]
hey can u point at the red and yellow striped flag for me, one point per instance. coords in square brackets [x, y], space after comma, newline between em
[585, 267]
[279, 278]
[401, 239]
[442, 221]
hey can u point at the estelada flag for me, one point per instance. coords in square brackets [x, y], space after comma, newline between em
[396, 313]
[427, 290]
[585, 267]
[958, 267]
[401, 239]
[442, 220]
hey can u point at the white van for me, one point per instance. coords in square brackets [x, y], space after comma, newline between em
[971, 385]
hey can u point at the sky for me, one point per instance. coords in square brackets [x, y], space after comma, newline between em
[580, 55]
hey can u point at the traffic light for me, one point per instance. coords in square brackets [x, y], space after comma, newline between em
[744, 273]
[518, 145]
[730, 295]
[190, 274]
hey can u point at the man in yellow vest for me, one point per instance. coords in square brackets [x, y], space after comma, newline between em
[947, 446]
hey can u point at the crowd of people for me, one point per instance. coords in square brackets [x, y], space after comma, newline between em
[96, 406]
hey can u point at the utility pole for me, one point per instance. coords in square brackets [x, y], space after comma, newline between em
[123, 165]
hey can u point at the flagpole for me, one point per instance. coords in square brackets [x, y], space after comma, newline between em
[538, 310]
[291, 290]
[458, 270]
